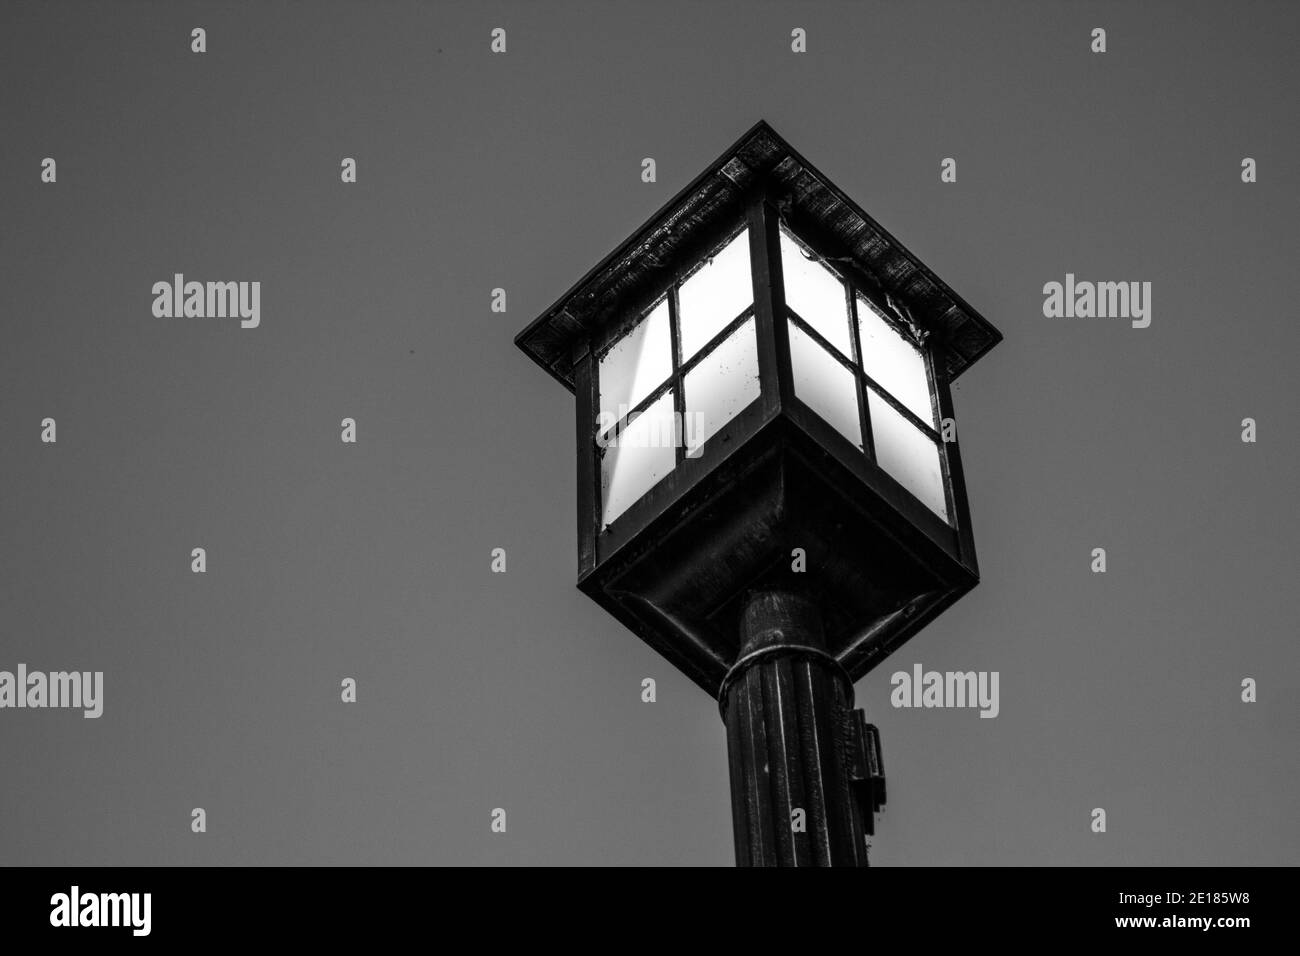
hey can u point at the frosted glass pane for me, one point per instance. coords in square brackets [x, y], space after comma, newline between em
[894, 362]
[636, 458]
[638, 363]
[725, 381]
[817, 295]
[715, 295]
[824, 385]
[909, 456]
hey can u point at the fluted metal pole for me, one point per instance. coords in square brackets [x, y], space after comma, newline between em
[799, 787]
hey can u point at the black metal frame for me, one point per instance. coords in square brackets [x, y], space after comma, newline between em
[676, 566]
[864, 382]
[680, 369]
[557, 339]
[597, 542]
[699, 567]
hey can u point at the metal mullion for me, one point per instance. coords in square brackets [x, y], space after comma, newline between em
[875, 386]
[642, 405]
[776, 378]
[928, 358]
[675, 380]
[864, 416]
[717, 340]
[817, 337]
[902, 409]
[934, 439]
[591, 492]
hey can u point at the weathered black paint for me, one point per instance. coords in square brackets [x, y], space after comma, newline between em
[802, 787]
[701, 566]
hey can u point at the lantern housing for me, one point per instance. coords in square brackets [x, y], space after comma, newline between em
[762, 384]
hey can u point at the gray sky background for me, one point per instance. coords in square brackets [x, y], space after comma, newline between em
[371, 560]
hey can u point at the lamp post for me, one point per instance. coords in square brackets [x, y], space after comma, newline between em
[765, 492]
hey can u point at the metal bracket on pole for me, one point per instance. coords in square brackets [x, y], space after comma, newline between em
[866, 767]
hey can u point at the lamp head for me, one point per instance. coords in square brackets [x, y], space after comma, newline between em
[762, 379]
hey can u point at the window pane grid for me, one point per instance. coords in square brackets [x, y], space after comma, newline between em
[827, 387]
[713, 293]
[714, 342]
[637, 362]
[720, 386]
[863, 377]
[874, 389]
[935, 495]
[672, 387]
[689, 318]
[679, 372]
[900, 407]
[623, 423]
[893, 359]
[812, 288]
[910, 456]
[820, 339]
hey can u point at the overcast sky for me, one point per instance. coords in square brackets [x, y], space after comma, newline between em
[477, 690]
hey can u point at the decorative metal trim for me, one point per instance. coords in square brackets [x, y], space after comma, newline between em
[792, 650]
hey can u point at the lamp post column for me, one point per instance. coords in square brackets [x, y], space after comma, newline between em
[806, 776]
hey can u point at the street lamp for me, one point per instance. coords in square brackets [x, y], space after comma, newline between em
[765, 492]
